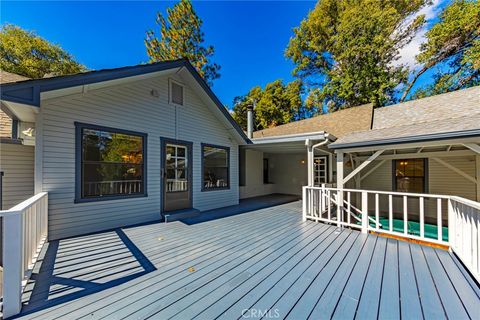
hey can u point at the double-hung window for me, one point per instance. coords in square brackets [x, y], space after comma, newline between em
[216, 167]
[110, 163]
[410, 175]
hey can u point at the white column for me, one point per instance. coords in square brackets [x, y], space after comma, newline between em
[339, 169]
[340, 185]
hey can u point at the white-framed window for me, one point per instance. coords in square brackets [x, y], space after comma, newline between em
[320, 171]
[176, 93]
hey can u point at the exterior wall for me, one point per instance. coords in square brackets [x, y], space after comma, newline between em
[128, 107]
[254, 185]
[5, 125]
[17, 163]
[288, 173]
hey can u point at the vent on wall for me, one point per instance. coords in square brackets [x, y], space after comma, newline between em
[176, 93]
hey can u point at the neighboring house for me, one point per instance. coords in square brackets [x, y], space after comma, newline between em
[16, 156]
[124, 146]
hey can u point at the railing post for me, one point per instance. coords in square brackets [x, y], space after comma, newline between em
[304, 204]
[322, 195]
[451, 224]
[12, 264]
[364, 212]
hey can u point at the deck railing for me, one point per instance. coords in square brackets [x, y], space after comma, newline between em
[445, 220]
[25, 228]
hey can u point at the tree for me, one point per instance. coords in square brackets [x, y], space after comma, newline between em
[453, 47]
[348, 48]
[25, 53]
[276, 104]
[181, 37]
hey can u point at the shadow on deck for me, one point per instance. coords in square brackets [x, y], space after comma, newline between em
[263, 262]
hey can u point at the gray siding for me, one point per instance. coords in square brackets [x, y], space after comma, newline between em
[17, 163]
[129, 107]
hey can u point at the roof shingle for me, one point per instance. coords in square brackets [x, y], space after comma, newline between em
[339, 123]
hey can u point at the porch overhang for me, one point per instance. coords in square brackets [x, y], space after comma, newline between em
[294, 143]
[418, 141]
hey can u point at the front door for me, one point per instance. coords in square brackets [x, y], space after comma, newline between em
[177, 176]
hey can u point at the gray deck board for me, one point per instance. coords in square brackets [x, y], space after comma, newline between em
[409, 297]
[258, 260]
[370, 298]
[389, 303]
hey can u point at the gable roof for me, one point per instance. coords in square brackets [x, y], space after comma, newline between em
[28, 92]
[450, 115]
[339, 123]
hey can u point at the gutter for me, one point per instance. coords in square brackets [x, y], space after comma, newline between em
[419, 138]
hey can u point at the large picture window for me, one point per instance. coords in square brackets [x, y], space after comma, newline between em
[410, 175]
[216, 167]
[110, 163]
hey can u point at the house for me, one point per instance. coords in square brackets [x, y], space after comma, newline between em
[170, 144]
[132, 145]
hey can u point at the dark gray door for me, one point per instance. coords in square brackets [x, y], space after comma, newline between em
[177, 182]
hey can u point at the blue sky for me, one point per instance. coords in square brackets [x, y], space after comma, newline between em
[249, 37]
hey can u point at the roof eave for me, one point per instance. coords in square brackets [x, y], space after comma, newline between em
[409, 139]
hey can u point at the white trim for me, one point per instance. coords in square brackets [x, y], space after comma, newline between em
[414, 155]
[473, 146]
[456, 170]
[363, 165]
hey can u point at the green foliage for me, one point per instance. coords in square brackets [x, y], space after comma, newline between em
[181, 37]
[25, 53]
[276, 104]
[346, 49]
[453, 44]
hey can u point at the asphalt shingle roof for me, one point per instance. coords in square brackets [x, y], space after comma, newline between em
[339, 123]
[441, 114]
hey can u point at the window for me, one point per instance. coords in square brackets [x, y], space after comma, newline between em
[320, 170]
[216, 167]
[265, 171]
[110, 163]
[176, 168]
[410, 175]
[176, 93]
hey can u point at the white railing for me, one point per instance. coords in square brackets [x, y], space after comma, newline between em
[25, 230]
[464, 232]
[445, 220]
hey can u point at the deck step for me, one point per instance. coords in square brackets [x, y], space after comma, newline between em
[180, 214]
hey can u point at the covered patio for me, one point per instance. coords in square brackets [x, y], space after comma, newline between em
[247, 262]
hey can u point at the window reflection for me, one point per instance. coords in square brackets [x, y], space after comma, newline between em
[111, 163]
[215, 168]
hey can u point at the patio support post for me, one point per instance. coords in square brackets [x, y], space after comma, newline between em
[364, 212]
[339, 185]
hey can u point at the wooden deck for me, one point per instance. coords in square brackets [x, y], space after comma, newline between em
[264, 262]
